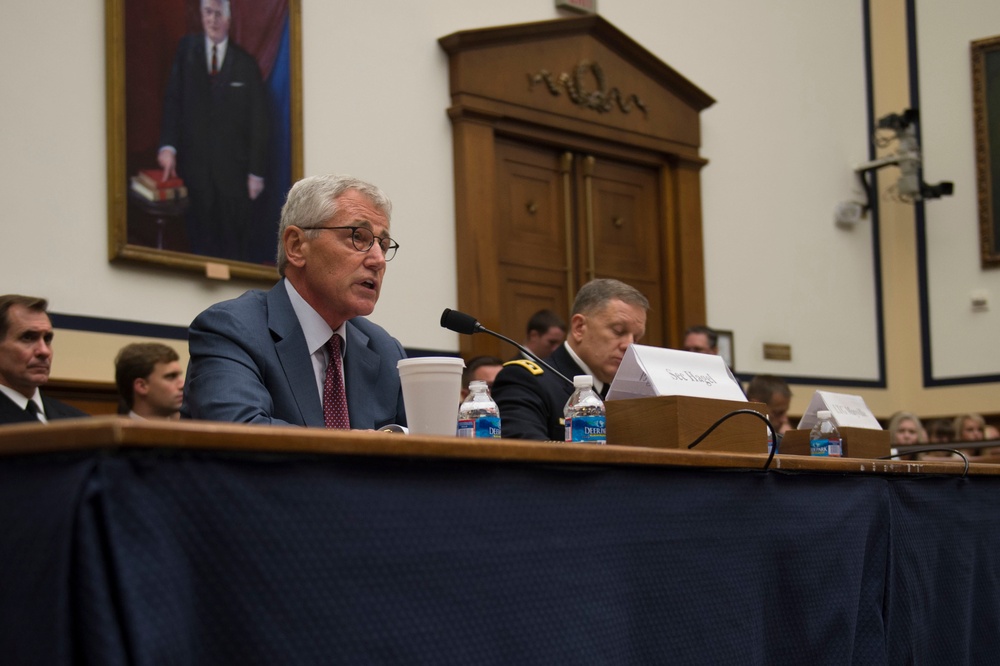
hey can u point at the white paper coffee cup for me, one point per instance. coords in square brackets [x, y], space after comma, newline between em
[431, 389]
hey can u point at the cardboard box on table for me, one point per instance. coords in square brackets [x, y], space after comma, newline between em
[666, 399]
[857, 442]
[862, 435]
[674, 421]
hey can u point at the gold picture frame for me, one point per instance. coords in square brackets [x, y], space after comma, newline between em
[142, 54]
[986, 114]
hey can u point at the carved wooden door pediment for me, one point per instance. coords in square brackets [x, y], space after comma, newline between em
[579, 90]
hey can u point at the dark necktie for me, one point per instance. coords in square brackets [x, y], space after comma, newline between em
[334, 398]
[33, 410]
[604, 391]
[215, 60]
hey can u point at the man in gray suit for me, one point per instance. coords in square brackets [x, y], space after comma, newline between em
[272, 357]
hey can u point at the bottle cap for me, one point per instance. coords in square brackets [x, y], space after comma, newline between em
[583, 381]
[477, 384]
[823, 414]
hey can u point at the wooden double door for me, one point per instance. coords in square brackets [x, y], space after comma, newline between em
[577, 155]
[564, 217]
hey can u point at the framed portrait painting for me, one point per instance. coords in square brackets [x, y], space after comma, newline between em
[986, 112]
[204, 131]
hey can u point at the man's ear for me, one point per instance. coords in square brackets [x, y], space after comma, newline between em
[295, 242]
[577, 327]
[140, 387]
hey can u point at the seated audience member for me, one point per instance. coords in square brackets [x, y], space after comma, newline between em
[150, 380]
[969, 428]
[701, 340]
[906, 430]
[941, 431]
[303, 353]
[25, 362]
[480, 368]
[546, 331]
[608, 316]
[773, 392]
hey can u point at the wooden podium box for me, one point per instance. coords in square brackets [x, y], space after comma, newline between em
[858, 443]
[674, 421]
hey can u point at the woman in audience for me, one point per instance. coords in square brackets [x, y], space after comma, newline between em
[969, 428]
[906, 430]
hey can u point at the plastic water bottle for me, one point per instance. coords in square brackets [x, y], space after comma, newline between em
[479, 416]
[824, 438]
[584, 413]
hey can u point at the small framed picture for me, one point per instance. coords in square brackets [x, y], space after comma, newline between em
[725, 344]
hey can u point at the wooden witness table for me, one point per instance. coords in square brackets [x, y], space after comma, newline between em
[191, 542]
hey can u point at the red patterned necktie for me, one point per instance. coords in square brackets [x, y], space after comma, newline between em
[334, 398]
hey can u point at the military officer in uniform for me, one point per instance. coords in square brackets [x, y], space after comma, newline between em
[607, 317]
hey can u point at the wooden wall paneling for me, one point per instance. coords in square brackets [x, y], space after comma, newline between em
[476, 234]
[689, 248]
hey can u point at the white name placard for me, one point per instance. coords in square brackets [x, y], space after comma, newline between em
[651, 371]
[847, 410]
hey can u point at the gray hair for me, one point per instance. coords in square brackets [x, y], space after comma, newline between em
[226, 9]
[313, 201]
[596, 294]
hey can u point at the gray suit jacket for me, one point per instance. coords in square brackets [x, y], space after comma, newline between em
[250, 364]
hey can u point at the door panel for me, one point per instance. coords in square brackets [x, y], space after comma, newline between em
[531, 224]
[563, 218]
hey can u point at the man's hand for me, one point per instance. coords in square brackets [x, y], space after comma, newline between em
[255, 185]
[168, 162]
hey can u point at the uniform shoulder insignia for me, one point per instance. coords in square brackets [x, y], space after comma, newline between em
[530, 366]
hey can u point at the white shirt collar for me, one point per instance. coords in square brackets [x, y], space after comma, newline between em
[18, 398]
[220, 52]
[598, 384]
[317, 333]
[314, 327]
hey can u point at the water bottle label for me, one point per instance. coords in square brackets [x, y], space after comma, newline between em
[825, 447]
[483, 427]
[488, 427]
[587, 429]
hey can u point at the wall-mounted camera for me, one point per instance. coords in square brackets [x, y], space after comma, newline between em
[900, 129]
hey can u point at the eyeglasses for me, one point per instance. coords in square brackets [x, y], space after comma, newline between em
[364, 238]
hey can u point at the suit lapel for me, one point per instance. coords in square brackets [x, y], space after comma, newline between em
[11, 413]
[293, 355]
[361, 366]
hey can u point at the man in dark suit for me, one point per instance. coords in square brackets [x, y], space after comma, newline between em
[608, 316]
[214, 134]
[276, 356]
[25, 362]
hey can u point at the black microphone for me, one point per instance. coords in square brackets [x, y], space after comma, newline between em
[459, 322]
